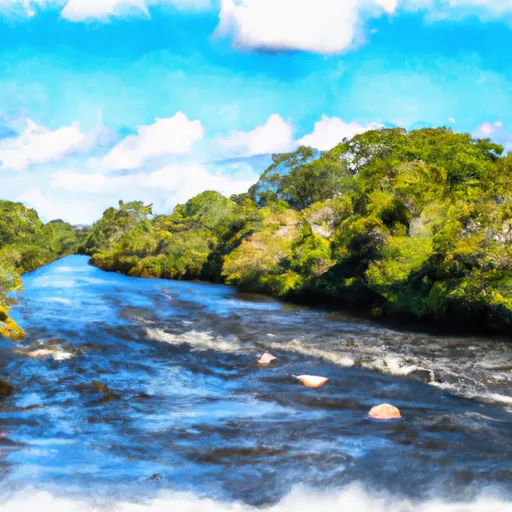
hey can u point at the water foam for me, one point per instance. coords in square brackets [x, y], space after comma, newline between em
[298, 347]
[197, 340]
[353, 499]
[395, 365]
[42, 353]
[435, 361]
[58, 300]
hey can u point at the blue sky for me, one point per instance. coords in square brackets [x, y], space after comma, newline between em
[102, 100]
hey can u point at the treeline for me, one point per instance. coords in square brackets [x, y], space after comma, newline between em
[416, 224]
[25, 245]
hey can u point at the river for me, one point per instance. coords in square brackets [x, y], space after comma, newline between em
[140, 395]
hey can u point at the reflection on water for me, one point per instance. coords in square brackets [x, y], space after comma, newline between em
[129, 390]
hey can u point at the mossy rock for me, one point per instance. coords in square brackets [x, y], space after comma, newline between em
[5, 388]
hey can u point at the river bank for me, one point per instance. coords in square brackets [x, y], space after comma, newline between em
[360, 312]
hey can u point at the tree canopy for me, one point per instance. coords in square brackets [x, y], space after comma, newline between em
[397, 223]
[25, 245]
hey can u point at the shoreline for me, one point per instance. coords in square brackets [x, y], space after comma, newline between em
[398, 322]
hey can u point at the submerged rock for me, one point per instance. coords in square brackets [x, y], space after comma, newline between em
[56, 352]
[9, 328]
[266, 359]
[41, 353]
[385, 412]
[5, 388]
[107, 393]
[425, 376]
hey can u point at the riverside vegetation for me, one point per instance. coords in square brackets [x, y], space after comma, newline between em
[415, 224]
[25, 245]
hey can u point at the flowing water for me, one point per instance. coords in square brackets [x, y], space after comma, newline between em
[140, 395]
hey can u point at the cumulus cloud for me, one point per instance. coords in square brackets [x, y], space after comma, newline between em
[323, 26]
[497, 132]
[330, 131]
[38, 145]
[163, 187]
[389, 6]
[183, 181]
[80, 195]
[85, 10]
[81, 10]
[275, 136]
[171, 136]
[331, 26]
[22, 7]
[76, 211]
[487, 129]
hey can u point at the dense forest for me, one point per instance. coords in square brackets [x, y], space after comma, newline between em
[25, 245]
[414, 224]
[410, 224]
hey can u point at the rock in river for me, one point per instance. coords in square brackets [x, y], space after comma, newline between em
[266, 359]
[385, 412]
[312, 381]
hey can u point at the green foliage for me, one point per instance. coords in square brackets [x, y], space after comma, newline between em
[301, 179]
[263, 257]
[188, 244]
[25, 245]
[414, 223]
[114, 224]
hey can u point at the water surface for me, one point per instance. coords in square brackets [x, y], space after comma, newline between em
[144, 395]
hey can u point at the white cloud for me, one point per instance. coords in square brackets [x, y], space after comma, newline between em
[51, 208]
[331, 26]
[323, 26]
[81, 195]
[164, 188]
[38, 145]
[80, 10]
[389, 6]
[451, 119]
[85, 10]
[330, 131]
[24, 7]
[487, 129]
[171, 136]
[497, 132]
[182, 180]
[275, 136]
